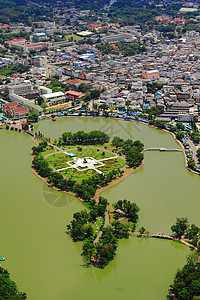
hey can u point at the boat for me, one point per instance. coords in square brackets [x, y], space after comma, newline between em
[2, 258]
[54, 119]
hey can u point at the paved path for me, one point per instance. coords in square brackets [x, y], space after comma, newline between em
[189, 245]
[106, 223]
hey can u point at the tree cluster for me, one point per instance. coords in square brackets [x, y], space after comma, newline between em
[186, 285]
[180, 227]
[131, 149]
[8, 288]
[126, 209]
[95, 137]
[7, 71]
[153, 87]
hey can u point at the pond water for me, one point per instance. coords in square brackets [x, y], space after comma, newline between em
[45, 262]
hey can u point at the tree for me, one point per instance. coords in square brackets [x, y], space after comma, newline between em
[130, 210]
[95, 94]
[121, 230]
[33, 116]
[40, 100]
[186, 284]
[142, 230]
[180, 135]
[180, 226]
[195, 287]
[25, 126]
[88, 250]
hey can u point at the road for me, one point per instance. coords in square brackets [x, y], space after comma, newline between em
[193, 149]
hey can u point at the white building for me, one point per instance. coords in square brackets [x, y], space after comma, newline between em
[54, 98]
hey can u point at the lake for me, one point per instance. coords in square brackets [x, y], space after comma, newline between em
[47, 264]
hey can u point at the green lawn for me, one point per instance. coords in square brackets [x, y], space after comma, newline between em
[48, 151]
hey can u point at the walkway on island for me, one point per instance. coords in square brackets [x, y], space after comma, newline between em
[106, 223]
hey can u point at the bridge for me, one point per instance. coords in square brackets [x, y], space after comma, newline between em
[30, 132]
[164, 149]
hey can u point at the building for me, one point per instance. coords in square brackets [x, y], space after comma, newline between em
[34, 108]
[87, 56]
[74, 95]
[44, 90]
[35, 46]
[184, 117]
[19, 89]
[39, 61]
[18, 42]
[40, 35]
[19, 99]
[117, 37]
[85, 33]
[15, 110]
[152, 74]
[54, 98]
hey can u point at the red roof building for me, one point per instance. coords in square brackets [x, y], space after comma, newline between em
[16, 42]
[74, 95]
[5, 26]
[15, 110]
[9, 106]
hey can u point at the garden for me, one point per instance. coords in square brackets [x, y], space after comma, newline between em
[73, 173]
[81, 172]
[59, 161]
[116, 163]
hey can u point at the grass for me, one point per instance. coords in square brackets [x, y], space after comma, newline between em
[48, 151]
[91, 152]
[75, 37]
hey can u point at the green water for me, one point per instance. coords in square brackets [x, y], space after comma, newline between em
[42, 258]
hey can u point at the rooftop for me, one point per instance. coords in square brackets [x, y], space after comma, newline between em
[56, 94]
